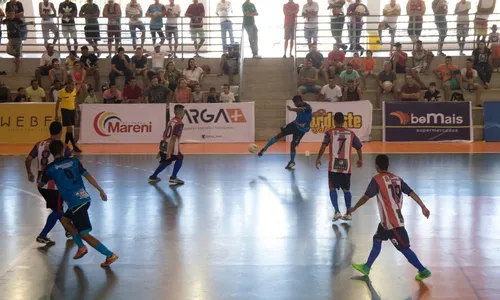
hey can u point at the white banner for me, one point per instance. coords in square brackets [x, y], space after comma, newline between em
[122, 123]
[218, 122]
[357, 114]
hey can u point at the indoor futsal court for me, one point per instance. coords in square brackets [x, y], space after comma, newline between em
[243, 227]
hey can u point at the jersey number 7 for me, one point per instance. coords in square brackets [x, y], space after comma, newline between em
[341, 145]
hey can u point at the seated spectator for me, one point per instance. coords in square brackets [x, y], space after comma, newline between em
[352, 92]
[398, 59]
[330, 92]
[391, 13]
[5, 93]
[482, 63]
[132, 93]
[308, 78]
[70, 61]
[91, 97]
[410, 91]
[157, 63]
[432, 94]
[172, 76]
[469, 80]
[35, 93]
[90, 63]
[335, 62]
[229, 64]
[349, 74]
[140, 65]
[368, 67]
[356, 62]
[120, 66]
[226, 96]
[57, 73]
[79, 76]
[157, 93]
[197, 94]
[421, 60]
[386, 82]
[183, 93]
[55, 88]
[46, 62]
[21, 95]
[494, 39]
[212, 96]
[112, 95]
[316, 57]
[450, 76]
[193, 74]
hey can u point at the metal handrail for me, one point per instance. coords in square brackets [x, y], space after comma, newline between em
[241, 61]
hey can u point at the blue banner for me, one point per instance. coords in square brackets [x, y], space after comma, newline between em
[492, 121]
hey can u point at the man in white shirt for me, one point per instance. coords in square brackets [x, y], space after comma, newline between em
[330, 92]
[391, 13]
[47, 13]
[133, 11]
[46, 62]
[224, 10]
[226, 96]
[462, 12]
[173, 13]
[157, 64]
[310, 13]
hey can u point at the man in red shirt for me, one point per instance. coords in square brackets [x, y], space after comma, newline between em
[196, 12]
[410, 91]
[336, 60]
[132, 93]
[398, 59]
[290, 10]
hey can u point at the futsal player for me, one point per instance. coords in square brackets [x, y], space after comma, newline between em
[340, 142]
[67, 174]
[49, 191]
[66, 101]
[389, 188]
[170, 150]
[297, 128]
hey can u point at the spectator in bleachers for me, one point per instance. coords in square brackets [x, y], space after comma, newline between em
[113, 12]
[226, 96]
[21, 95]
[193, 74]
[120, 66]
[18, 9]
[46, 62]
[331, 92]
[91, 97]
[432, 94]
[316, 57]
[386, 82]
[249, 13]
[391, 13]
[337, 20]
[173, 75]
[356, 62]
[139, 64]
[133, 11]
[223, 11]
[79, 77]
[14, 34]
[462, 11]
[70, 61]
[212, 96]
[157, 93]
[469, 80]
[68, 12]
[482, 63]
[48, 13]
[90, 11]
[310, 13]
[484, 9]
[348, 74]
[352, 92]
[421, 60]
[156, 12]
[183, 93]
[157, 63]
[173, 14]
[308, 78]
[132, 93]
[450, 76]
[356, 11]
[290, 9]
[57, 73]
[197, 94]
[229, 63]
[91, 64]
[112, 95]
[415, 9]
[55, 88]
[5, 95]
[398, 59]
[35, 93]
[494, 40]
[196, 11]
[368, 67]
[335, 63]
[440, 9]
[410, 91]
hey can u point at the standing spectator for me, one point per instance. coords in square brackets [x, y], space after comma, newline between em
[410, 91]
[196, 12]
[46, 62]
[349, 74]
[356, 11]
[290, 9]
[5, 95]
[132, 93]
[91, 97]
[90, 11]
[484, 9]
[432, 94]
[450, 76]
[316, 57]
[183, 94]
[398, 59]
[440, 9]
[249, 13]
[391, 13]
[494, 39]
[112, 95]
[193, 74]
[352, 92]
[308, 77]
[226, 96]
[133, 11]
[310, 13]
[368, 67]
[79, 77]
[91, 64]
[158, 93]
[173, 75]
[173, 14]
[415, 9]
[212, 96]
[120, 66]
[18, 9]
[140, 65]
[224, 11]
[337, 20]
[386, 82]
[68, 12]
[482, 63]
[469, 80]
[14, 34]
[197, 94]
[331, 92]
[229, 63]
[421, 60]
[47, 13]
[21, 94]
[462, 12]
[35, 93]
[157, 63]
[156, 12]
[335, 63]
[57, 74]
[113, 12]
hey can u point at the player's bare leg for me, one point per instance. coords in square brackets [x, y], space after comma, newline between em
[270, 143]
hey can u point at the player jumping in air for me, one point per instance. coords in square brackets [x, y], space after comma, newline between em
[49, 191]
[389, 188]
[340, 142]
[297, 128]
[67, 174]
[170, 150]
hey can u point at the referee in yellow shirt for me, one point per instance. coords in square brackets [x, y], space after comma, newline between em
[66, 101]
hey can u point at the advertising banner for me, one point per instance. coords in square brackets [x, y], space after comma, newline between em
[22, 123]
[122, 123]
[218, 122]
[492, 121]
[357, 114]
[427, 121]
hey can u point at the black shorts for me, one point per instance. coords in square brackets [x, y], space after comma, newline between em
[52, 199]
[92, 32]
[339, 181]
[43, 72]
[79, 215]
[398, 236]
[400, 69]
[291, 129]
[163, 158]
[68, 117]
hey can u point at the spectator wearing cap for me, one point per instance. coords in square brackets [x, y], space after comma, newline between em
[157, 63]
[352, 92]
[386, 82]
[450, 76]
[349, 74]
[330, 92]
[112, 95]
[308, 77]
[410, 91]
[120, 66]
[398, 59]
[229, 63]
[469, 80]
[132, 93]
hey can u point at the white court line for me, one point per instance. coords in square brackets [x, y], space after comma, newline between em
[39, 197]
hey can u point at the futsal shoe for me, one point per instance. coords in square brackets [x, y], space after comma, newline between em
[109, 261]
[45, 240]
[421, 275]
[290, 165]
[68, 235]
[175, 180]
[336, 217]
[152, 179]
[81, 252]
[347, 217]
[261, 152]
[77, 150]
[362, 268]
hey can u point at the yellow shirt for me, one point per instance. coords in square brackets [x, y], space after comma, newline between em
[35, 95]
[67, 99]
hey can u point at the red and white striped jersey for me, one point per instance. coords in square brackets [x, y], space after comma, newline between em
[340, 142]
[42, 153]
[174, 127]
[389, 190]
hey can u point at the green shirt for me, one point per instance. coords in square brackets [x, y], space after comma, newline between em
[248, 7]
[346, 76]
[90, 9]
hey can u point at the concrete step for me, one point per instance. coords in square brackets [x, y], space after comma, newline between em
[263, 113]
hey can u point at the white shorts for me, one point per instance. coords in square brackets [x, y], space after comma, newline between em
[47, 28]
[419, 68]
[69, 30]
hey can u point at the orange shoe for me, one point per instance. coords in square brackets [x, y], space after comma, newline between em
[109, 261]
[81, 252]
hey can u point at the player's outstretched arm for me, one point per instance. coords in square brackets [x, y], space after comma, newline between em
[360, 203]
[425, 210]
[93, 182]
[296, 109]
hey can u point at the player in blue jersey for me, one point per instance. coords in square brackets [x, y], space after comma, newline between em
[67, 174]
[297, 128]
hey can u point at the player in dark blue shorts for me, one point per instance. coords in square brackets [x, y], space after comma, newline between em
[67, 174]
[297, 128]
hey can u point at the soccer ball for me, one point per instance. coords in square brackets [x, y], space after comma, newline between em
[387, 86]
[252, 148]
[360, 9]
